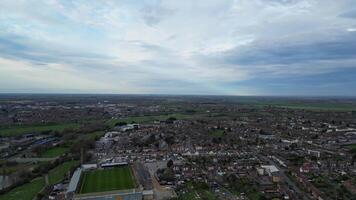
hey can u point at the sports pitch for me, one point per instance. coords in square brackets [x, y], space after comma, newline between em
[102, 180]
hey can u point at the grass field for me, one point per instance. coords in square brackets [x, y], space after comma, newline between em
[20, 130]
[54, 152]
[25, 192]
[58, 173]
[119, 178]
[29, 190]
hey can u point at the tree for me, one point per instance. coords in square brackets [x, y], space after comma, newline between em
[120, 124]
[170, 164]
[172, 119]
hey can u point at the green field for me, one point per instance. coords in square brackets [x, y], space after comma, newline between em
[316, 105]
[25, 192]
[320, 106]
[20, 130]
[54, 152]
[119, 178]
[58, 173]
[29, 190]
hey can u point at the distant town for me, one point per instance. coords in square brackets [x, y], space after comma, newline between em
[151, 147]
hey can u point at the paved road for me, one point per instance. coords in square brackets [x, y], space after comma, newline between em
[161, 193]
[288, 180]
[225, 193]
[222, 193]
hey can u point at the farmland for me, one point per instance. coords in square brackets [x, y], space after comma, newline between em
[304, 104]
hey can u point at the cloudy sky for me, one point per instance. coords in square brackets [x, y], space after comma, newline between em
[227, 47]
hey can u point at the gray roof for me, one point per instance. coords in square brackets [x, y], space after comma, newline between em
[74, 181]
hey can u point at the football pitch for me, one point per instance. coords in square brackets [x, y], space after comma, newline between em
[119, 178]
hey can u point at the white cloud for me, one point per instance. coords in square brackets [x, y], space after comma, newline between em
[56, 77]
[120, 46]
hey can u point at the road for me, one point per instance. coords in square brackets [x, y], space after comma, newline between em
[290, 183]
[160, 192]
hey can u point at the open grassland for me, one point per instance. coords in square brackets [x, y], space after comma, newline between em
[54, 152]
[20, 130]
[25, 192]
[119, 178]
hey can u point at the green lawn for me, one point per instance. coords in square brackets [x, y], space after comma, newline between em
[54, 152]
[20, 130]
[58, 173]
[25, 192]
[119, 178]
[29, 190]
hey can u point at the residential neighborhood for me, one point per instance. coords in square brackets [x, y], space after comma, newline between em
[188, 148]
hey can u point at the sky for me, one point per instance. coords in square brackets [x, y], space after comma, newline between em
[210, 47]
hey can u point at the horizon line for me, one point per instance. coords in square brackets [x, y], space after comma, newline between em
[157, 94]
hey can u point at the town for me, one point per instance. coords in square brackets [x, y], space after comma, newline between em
[176, 147]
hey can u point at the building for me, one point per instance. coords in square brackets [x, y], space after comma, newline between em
[272, 171]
